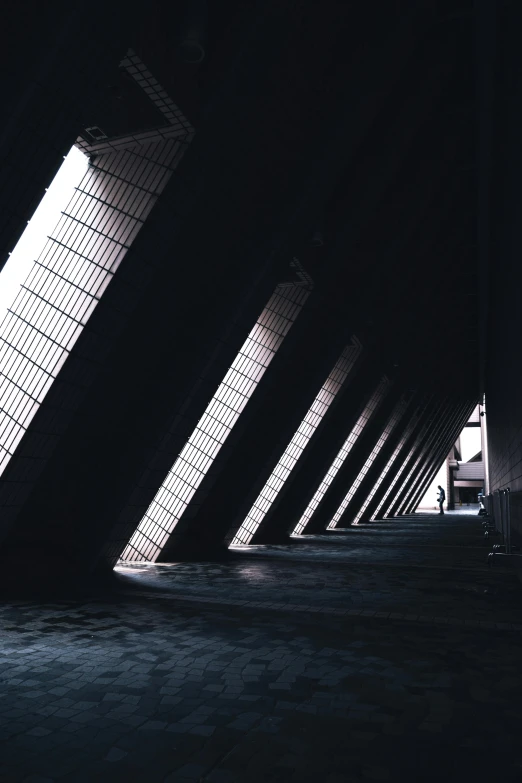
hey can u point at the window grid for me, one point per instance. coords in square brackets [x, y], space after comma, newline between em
[177, 125]
[347, 446]
[385, 471]
[157, 94]
[394, 419]
[413, 488]
[405, 482]
[216, 423]
[299, 442]
[68, 278]
[379, 509]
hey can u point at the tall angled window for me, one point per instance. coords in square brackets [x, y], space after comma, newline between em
[299, 442]
[53, 281]
[406, 434]
[404, 483]
[392, 422]
[216, 423]
[388, 499]
[372, 405]
[28, 360]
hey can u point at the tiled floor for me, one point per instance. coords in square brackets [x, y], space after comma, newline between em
[384, 652]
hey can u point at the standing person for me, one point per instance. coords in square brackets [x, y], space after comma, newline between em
[441, 498]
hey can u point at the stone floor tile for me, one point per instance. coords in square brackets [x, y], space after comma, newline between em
[371, 641]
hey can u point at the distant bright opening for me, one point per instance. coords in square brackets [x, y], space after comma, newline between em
[470, 446]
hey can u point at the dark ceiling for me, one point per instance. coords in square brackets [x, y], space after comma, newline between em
[398, 79]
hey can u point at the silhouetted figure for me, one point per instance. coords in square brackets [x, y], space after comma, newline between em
[441, 498]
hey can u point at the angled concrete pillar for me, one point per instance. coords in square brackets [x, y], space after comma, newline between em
[429, 474]
[209, 255]
[401, 480]
[429, 440]
[352, 465]
[168, 324]
[398, 457]
[335, 152]
[431, 466]
[367, 484]
[429, 455]
[275, 412]
[185, 540]
[435, 456]
[308, 474]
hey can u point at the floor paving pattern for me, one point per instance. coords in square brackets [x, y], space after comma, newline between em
[389, 651]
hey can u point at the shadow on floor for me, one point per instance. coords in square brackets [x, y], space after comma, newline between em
[388, 653]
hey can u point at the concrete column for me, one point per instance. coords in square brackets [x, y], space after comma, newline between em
[430, 444]
[438, 452]
[434, 455]
[207, 259]
[279, 524]
[171, 315]
[429, 475]
[267, 424]
[353, 463]
[400, 455]
[421, 487]
[365, 493]
[185, 538]
[425, 458]
[425, 439]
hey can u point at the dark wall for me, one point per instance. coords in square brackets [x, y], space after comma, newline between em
[220, 236]
[54, 58]
[503, 174]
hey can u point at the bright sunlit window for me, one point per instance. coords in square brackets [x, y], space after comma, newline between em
[299, 442]
[390, 426]
[372, 405]
[216, 424]
[383, 509]
[45, 218]
[407, 432]
[34, 330]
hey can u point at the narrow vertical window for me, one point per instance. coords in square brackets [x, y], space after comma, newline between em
[378, 510]
[28, 359]
[404, 483]
[217, 422]
[385, 471]
[299, 442]
[102, 206]
[347, 446]
[390, 426]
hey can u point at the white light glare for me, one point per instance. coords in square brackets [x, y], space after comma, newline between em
[42, 223]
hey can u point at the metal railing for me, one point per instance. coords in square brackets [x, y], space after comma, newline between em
[498, 506]
[492, 509]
